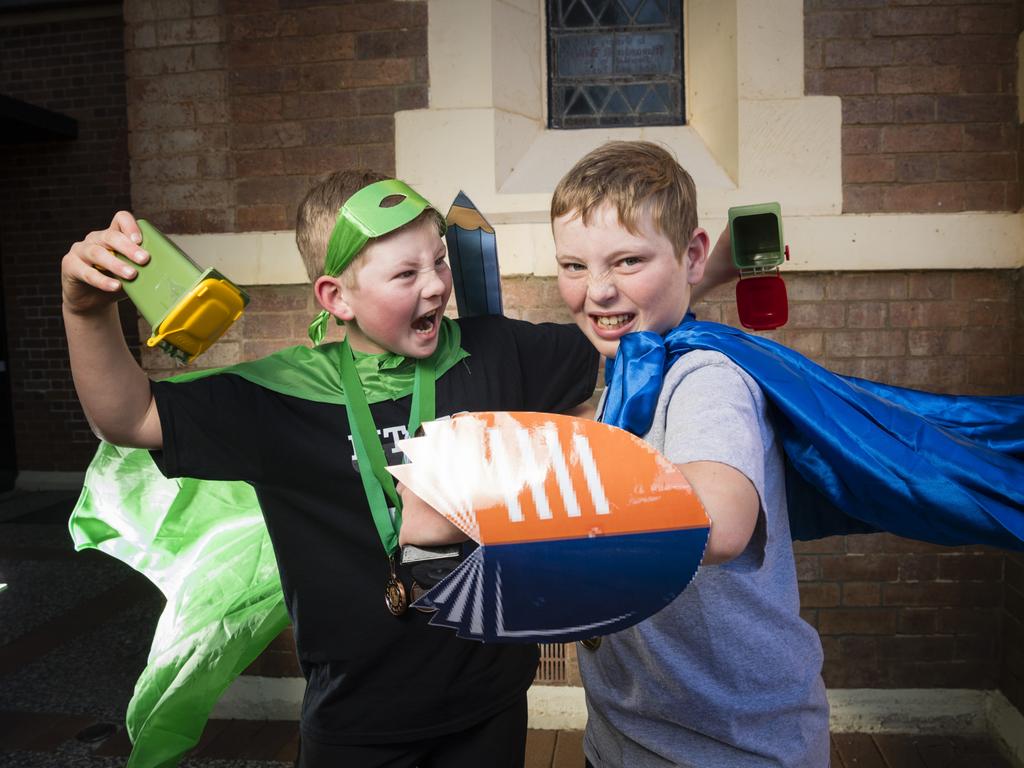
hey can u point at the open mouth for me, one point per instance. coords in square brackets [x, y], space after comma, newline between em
[426, 323]
[612, 323]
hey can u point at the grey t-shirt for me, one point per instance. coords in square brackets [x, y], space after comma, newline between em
[728, 675]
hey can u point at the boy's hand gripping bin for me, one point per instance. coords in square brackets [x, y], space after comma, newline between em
[187, 307]
[757, 251]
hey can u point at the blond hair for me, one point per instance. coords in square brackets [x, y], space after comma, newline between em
[636, 177]
[318, 213]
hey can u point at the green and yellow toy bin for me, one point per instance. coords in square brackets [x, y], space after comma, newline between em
[187, 307]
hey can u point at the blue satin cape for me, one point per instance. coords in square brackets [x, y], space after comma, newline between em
[861, 457]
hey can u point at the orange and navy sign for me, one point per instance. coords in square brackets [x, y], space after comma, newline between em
[557, 503]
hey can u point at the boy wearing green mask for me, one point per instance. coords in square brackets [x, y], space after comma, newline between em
[311, 430]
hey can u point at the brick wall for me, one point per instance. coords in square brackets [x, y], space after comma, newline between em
[52, 192]
[236, 106]
[929, 101]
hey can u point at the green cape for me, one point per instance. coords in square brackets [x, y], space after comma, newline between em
[205, 545]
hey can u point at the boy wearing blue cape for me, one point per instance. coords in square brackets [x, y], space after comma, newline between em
[310, 430]
[777, 448]
[727, 675]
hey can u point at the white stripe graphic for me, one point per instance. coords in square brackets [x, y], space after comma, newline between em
[590, 472]
[499, 456]
[534, 474]
[572, 505]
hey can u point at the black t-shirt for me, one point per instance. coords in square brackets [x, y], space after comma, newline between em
[371, 677]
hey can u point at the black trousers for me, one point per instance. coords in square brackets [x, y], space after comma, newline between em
[499, 742]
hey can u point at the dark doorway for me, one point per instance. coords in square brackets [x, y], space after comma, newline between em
[8, 459]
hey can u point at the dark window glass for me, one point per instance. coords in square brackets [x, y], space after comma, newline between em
[615, 63]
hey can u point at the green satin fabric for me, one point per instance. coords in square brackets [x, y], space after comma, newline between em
[205, 545]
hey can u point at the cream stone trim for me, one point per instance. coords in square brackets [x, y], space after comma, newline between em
[856, 710]
[817, 244]
[247, 258]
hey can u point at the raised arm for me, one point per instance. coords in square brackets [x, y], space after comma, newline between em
[719, 269]
[113, 389]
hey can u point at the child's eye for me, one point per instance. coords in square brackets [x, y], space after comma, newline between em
[405, 275]
[572, 267]
[441, 261]
[630, 261]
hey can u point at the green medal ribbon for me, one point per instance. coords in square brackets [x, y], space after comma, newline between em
[377, 481]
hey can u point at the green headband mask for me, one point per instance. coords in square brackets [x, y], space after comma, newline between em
[360, 219]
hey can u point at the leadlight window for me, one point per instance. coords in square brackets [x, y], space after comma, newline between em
[614, 63]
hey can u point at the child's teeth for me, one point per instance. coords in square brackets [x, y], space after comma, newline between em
[613, 321]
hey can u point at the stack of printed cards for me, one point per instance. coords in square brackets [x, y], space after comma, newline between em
[583, 528]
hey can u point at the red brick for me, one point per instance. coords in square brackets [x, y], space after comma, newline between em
[868, 285]
[916, 168]
[940, 374]
[863, 198]
[916, 649]
[975, 49]
[856, 621]
[990, 196]
[279, 190]
[859, 567]
[313, 161]
[821, 25]
[262, 218]
[984, 78]
[915, 109]
[982, 285]
[261, 25]
[992, 374]
[390, 45]
[814, 56]
[861, 594]
[986, 137]
[940, 594]
[915, 21]
[925, 198]
[845, 82]
[260, 162]
[256, 108]
[911, 51]
[817, 594]
[267, 135]
[868, 168]
[965, 567]
[809, 343]
[929, 285]
[917, 621]
[322, 105]
[866, 344]
[866, 52]
[209, 29]
[921, 138]
[919, 567]
[923, 79]
[867, 109]
[984, 19]
[861, 140]
[990, 313]
[816, 315]
[927, 314]
[977, 108]
[866, 314]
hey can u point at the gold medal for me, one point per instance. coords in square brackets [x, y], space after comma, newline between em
[394, 592]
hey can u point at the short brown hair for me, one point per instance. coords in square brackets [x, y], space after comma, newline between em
[635, 177]
[318, 213]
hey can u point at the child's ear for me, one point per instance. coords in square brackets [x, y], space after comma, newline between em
[696, 256]
[330, 294]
